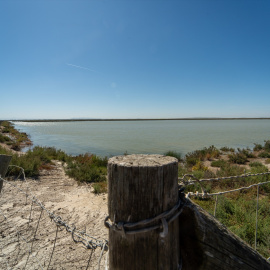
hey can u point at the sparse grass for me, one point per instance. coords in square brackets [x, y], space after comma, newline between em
[267, 161]
[219, 163]
[100, 187]
[239, 215]
[255, 164]
[230, 170]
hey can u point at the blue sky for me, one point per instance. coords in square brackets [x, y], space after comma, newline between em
[134, 58]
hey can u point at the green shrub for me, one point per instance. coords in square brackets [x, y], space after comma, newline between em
[191, 161]
[33, 160]
[206, 153]
[246, 152]
[267, 145]
[4, 139]
[174, 154]
[87, 168]
[264, 155]
[257, 147]
[238, 158]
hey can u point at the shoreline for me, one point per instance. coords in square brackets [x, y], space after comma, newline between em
[136, 119]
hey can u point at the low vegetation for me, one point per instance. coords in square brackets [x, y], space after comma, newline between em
[87, 168]
[12, 136]
[207, 153]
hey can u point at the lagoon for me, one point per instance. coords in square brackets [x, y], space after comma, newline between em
[110, 138]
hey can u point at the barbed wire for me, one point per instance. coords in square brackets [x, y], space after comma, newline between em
[78, 236]
[224, 192]
[192, 182]
[89, 244]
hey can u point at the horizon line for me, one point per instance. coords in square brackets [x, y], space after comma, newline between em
[135, 119]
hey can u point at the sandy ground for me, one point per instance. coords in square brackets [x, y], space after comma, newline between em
[23, 229]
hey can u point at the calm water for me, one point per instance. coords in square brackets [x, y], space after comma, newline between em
[117, 137]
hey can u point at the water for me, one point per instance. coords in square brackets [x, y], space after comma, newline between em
[109, 138]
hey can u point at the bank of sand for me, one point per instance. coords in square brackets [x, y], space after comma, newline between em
[77, 205]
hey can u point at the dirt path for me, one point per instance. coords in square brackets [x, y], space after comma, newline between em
[76, 204]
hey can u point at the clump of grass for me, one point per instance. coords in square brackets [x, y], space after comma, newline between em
[100, 187]
[174, 154]
[267, 161]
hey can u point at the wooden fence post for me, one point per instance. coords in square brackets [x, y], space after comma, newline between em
[4, 162]
[142, 187]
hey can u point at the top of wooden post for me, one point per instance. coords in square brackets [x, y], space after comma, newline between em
[140, 160]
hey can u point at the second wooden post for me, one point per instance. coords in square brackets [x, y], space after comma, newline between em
[4, 162]
[142, 187]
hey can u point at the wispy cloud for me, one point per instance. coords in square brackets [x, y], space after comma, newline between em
[80, 67]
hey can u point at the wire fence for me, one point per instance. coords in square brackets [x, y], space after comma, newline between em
[189, 179]
[34, 237]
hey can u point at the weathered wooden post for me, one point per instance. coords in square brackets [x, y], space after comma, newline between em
[4, 162]
[141, 187]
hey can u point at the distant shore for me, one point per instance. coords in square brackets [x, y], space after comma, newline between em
[135, 119]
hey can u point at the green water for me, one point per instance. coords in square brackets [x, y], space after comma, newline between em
[109, 138]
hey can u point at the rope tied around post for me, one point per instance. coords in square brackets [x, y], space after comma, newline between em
[162, 221]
